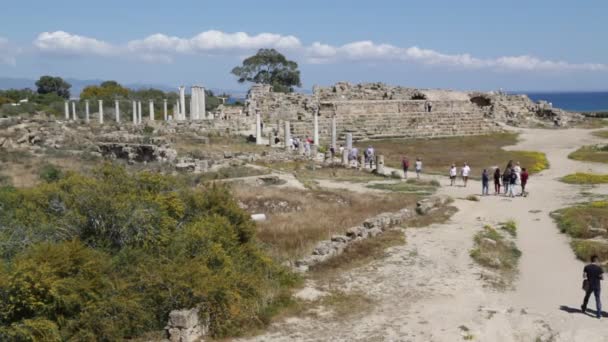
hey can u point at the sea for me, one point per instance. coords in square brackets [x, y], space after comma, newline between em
[573, 101]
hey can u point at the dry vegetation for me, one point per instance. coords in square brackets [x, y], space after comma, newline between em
[593, 153]
[216, 144]
[586, 224]
[307, 170]
[601, 134]
[498, 252]
[483, 151]
[297, 220]
[585, 178]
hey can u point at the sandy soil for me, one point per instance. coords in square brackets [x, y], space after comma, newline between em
[430, 289]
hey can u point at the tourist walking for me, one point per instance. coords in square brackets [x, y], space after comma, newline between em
[524, 180]
[485, 182]
[405, 163]
[466, 170]
[512, 182]
[418, 167]
[497, 181]
[369, 156]
[353, 157]
[592, 275]
[506, 179]
[453, 173]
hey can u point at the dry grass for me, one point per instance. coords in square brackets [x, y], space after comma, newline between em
[359, 253]
[297, 220]
[217, 144]
[413, 186]
[585, 178]
[308, 170]
[601, 134]
[594, 153]
[495, 251]
[480, 152]
[591, 123]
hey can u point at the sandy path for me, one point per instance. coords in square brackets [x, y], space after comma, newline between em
[428, 288]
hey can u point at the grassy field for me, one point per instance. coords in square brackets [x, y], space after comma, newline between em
[592, 153]
[297, 220]
[585, 178]
[437, 155]
[586, 223]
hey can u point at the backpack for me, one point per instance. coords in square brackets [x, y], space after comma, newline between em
[406, 163]
[513, 177]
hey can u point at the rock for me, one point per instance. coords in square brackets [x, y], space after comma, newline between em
[340, 238]
[186, 326]
[487, 242]
[375, 231]
[309, 294]
[426, 205]
[258, 217]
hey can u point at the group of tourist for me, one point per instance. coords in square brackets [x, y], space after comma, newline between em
[513, 180]
[306, 143]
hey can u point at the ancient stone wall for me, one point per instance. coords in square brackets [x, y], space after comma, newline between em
[376, 111]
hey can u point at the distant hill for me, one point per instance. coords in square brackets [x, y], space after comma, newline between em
[79, 85]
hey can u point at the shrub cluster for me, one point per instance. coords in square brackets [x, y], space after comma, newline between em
[108, 256]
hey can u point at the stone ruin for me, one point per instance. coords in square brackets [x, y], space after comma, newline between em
[380, 111]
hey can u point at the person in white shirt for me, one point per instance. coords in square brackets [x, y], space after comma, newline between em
[517, 170]
[466, 170]
[453, 173]
[418, 166]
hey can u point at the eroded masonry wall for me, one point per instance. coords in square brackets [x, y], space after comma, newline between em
[377, 110]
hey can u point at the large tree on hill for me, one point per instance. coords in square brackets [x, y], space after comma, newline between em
[53, 85]
[268, 66]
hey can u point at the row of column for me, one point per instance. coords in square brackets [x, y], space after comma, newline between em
[197, 104]
[137, 111]
[334, 134]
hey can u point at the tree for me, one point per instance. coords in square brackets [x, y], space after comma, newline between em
[107, 91]
[53, 85]
[268, 66]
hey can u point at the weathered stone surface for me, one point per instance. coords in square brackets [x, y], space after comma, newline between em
[426, 205]
[186, 326]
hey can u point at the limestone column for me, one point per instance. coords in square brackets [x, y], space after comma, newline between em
[175, 110]
[270, 140]
[139, 112]
[202, 103]
[151, 110]
[134, 113]
[349, 141]
[315, 132]
[380, 164]
[117, 110]
[345, 157]
[193, 103]
[100, 111]
[67, 111]
[287, 135]
[334, 136]
[182, 103]
[165, 109]
[86, 111]
[258, 128]
[74, 110]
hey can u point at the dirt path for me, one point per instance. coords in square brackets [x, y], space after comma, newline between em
[430, 290]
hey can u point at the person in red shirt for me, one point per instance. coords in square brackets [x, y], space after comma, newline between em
[524, 179]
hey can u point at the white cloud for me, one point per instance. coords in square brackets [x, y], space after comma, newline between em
[61, 42]
[214, 41]
[8, 52]
[162, 48]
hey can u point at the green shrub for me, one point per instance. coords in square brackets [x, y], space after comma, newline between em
[107, 257]
[577, 220]
[510, 227]
[50, 173]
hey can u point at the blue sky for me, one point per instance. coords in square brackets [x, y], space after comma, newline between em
[516, 45]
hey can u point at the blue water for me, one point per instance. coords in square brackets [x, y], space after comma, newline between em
[574, 101]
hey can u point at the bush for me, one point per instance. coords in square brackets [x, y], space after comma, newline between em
[50, 173]
[510, 227]
[576, 221]
[593, 153]
[108, 256]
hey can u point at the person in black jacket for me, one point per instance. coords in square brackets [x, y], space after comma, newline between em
[593, 274]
